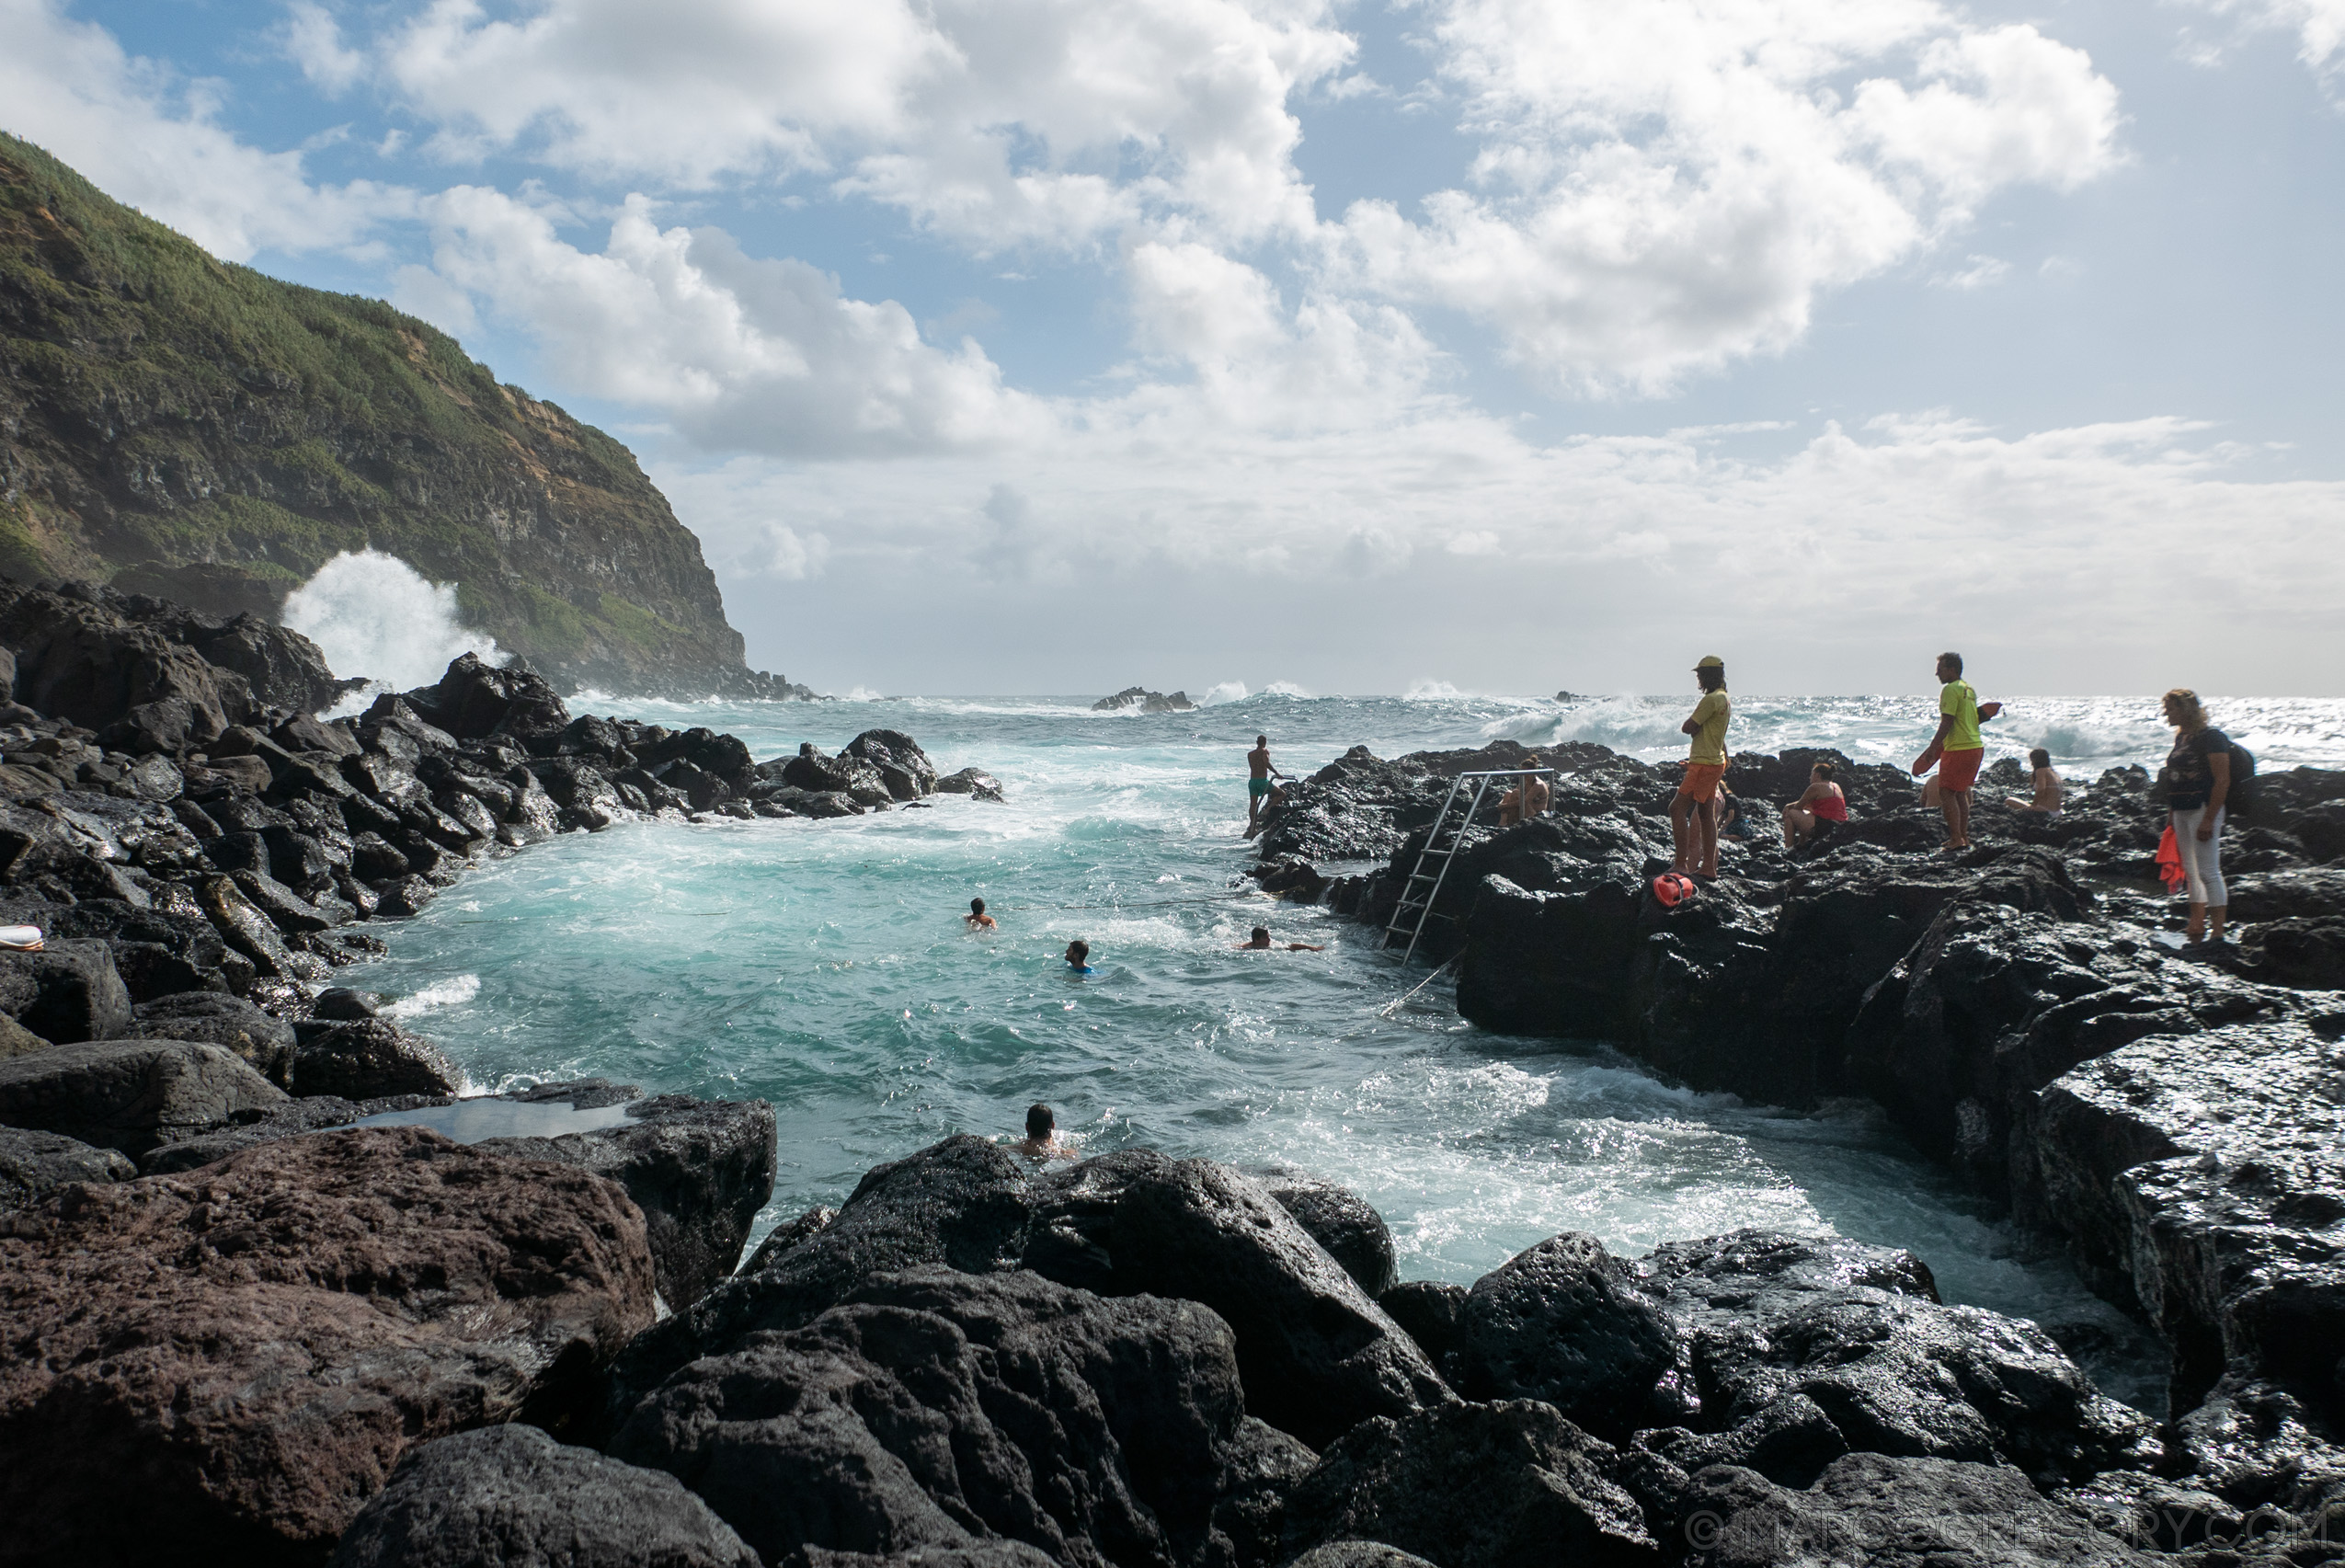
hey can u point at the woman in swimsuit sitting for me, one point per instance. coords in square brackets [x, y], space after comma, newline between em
[1822, 803]
[2049, 790]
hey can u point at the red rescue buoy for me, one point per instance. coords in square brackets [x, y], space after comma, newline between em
[1673, 888]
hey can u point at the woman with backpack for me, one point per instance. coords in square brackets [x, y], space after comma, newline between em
[2199, 782]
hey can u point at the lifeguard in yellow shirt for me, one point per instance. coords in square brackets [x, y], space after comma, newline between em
[1691, 824]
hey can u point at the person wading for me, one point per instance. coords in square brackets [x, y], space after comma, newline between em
[1691, 823]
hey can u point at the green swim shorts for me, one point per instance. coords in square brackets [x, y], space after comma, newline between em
[1257, 786]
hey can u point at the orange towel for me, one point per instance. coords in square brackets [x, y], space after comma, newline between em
[2169, 862]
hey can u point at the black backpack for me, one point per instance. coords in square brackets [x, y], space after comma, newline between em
[2239, 800]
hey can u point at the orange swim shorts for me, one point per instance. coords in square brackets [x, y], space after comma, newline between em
[1959, 769]
[1701, 780]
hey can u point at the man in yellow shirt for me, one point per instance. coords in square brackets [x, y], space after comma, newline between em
[1957, 749]
[1691, 823]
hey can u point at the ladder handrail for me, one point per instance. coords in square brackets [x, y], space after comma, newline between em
[1433, 894]
[1456, 842]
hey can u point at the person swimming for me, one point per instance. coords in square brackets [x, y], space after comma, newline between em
[977, 919]
[1042, 1140]
[1260, 943]
[1079, 957]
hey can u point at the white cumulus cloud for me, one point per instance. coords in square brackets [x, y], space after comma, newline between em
[999, 122]
[739, 352]
[150, 137]
[2319, 26]
[1664, 187]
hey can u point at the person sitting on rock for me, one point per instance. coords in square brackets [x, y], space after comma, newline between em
[2050, 791]
[1527, 799]
[1079, 957]
[1728, 809]
[1822, 801]
[1690, 822]
[1260, 943]
[977, 919]
[1042, 1140]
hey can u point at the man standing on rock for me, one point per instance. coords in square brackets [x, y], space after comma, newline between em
[1957, 749]
[1258, 783]
[1691, 822]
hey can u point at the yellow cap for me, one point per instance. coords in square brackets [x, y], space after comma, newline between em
[1711, 661]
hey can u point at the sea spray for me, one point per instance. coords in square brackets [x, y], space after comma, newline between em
[377, 618]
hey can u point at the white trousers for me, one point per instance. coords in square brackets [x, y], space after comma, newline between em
[2202, 862]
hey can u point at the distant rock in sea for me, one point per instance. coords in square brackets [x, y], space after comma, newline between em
[1573, 697]
[1144, 701]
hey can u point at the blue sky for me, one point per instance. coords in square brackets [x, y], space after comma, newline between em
[1039, 344]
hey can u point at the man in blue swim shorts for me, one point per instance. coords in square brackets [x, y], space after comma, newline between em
[1258, 785]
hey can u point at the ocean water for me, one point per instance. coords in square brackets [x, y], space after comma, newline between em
[824, 966]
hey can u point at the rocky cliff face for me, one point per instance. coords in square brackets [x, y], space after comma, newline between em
[185, 428]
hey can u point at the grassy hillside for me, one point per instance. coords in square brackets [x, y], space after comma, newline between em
[178, 425]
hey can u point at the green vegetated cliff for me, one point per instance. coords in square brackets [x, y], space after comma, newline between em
[176, 425]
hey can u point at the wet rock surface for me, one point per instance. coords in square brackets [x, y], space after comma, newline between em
[513, 1496]
[369, 1059]
[1564, 1322]
[1891, 1513]
[2201, 1175]
[899, 1420]
[1318, 1354]
[130, 1095]
[1343, 1223]
[1792, 1352]
[35, 1165]
[699, 1170]
[1317, 1351]
[1499, 1485]
[259, 1342]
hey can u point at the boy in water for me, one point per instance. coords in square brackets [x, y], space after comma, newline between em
[1042, 1140]
[1691, 822]
[2049, 790]
[977, 919]
[1260, 943]
[1079, 957]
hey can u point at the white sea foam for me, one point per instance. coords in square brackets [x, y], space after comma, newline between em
[1227, 691]
[454, 991]
[377, 618]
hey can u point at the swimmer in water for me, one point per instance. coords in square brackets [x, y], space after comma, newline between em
[1260, 943]
[1079, 957]
[1042, 1140]
[977, 919]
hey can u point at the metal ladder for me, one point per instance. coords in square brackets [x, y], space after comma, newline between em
[1424, 886]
